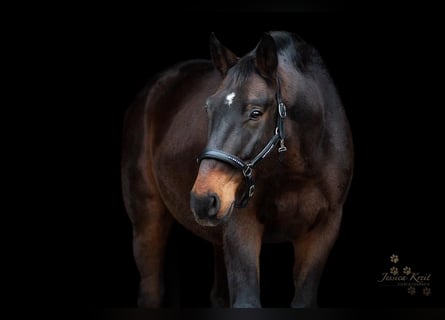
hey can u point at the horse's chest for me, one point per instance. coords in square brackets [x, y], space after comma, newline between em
[290, 213]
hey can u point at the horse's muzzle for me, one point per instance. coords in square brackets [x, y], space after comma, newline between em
[205, 208]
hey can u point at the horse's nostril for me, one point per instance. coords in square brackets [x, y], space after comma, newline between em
[205, 206]
[214, 204]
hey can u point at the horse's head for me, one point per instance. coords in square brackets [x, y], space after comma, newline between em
[243, 128]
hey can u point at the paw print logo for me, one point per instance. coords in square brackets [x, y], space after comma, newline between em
[411, 290]
[394, 258]
[394, 271]
[407, 271]
[426, 291]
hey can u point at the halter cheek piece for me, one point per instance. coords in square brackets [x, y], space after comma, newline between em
[247, 166]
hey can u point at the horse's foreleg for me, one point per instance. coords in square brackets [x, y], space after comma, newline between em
[311, 252]
[151, 225]
[219, 296]
[242, 246]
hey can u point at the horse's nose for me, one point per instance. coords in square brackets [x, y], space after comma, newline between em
[205, 206]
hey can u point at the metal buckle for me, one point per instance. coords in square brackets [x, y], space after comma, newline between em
[248, 171]
[282, 147]
[251, 190]
[282, 110]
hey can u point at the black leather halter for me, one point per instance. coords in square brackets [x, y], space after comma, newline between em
[247, 166]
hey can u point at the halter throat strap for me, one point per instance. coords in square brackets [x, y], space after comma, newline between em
[247, 166]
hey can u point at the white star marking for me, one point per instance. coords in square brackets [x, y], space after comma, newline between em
[229, 98]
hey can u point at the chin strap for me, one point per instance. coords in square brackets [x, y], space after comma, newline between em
[247, 166]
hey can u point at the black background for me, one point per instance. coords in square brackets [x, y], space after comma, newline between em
[384, 66]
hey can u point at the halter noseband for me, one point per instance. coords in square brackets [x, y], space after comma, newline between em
[247, 166]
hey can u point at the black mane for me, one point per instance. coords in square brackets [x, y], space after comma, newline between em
[295, 49]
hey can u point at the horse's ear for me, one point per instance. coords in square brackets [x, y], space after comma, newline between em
[266, 60]
[222, 57]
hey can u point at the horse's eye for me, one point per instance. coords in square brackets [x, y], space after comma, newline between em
[255, 115]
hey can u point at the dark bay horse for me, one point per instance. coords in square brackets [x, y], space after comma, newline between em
[240, 151]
